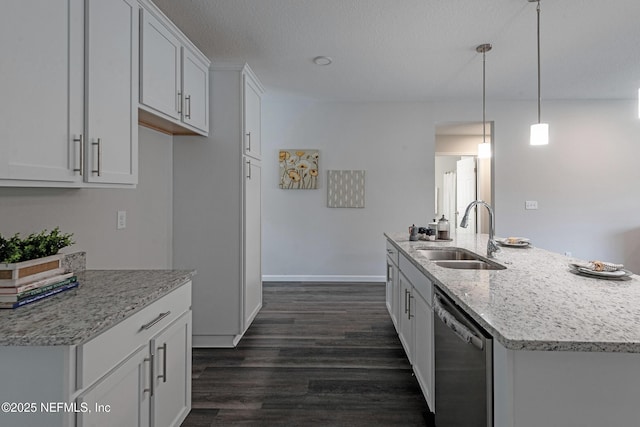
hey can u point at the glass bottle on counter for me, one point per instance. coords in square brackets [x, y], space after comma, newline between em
[443, 229]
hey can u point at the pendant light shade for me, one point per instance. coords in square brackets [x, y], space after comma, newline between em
[484, 149]
[539, 131]
[539, 134]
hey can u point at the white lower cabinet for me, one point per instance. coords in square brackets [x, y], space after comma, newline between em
[171, 400]
[392, 291]
[412, 294]
[423, 356]
[405, 321]
[150, 388]
[152, 385]
[122, 398]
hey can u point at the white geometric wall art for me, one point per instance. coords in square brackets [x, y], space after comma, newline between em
[345, 188]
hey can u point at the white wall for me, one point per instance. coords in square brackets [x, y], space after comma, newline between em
[90, 214]
[585, 182]
[391, 142]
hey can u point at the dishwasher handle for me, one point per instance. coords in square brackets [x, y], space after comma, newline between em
[458, 328]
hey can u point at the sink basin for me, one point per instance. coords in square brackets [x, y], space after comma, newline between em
[458, 258]
[469, 264]
[448, 254]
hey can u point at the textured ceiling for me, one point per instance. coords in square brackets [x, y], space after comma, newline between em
[416, 50]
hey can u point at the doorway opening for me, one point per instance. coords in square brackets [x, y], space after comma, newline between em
[460, 176]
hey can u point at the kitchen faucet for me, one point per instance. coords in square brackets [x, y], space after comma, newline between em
[492, 247]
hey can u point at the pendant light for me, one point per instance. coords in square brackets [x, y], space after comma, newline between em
[539, 131]
[484, 149]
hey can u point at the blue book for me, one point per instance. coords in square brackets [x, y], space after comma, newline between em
[39, 296]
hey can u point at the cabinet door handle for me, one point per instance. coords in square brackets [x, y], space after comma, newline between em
[150, 388]
[188, 106]
[80, 141]
[179, 101]
[410, 315]
[99, 145]
[406, 292]
[388, 272]
[164, 362]
[154, 321]
[249, 170]
[249, 141]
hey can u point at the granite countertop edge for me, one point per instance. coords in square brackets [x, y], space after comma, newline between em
[103, 299]
[486, 280]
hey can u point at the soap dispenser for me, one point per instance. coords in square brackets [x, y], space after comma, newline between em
[443, 229]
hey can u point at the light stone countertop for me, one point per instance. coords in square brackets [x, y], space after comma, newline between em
[536, 303]
[103, 299]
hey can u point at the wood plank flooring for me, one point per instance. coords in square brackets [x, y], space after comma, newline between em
[317, 354]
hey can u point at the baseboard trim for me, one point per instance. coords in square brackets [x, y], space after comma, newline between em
[322, 278]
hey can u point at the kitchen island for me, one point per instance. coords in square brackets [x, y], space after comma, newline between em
[116, 350]
[566, 347]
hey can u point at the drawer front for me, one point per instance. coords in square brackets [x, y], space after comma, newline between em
[98, 356]
[419, 281]
[392, 252]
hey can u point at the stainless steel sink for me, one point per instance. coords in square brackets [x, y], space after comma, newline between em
[448, 254]
[469, 264]
[458, 258]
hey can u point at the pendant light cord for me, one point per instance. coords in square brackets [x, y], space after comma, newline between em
[539, 96]
[484, 133]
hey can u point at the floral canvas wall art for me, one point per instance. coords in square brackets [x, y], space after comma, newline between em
[299, 169]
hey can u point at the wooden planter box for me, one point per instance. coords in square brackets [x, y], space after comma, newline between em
[28, 271]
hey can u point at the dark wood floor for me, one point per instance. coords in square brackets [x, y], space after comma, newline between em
[316, 355]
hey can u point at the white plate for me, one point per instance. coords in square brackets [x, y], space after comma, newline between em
[521, 243]
[588, 273]
[617, 273]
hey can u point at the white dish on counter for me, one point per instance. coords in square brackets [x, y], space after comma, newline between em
[520, 242]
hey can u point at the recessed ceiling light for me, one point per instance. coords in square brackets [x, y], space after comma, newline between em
[322, 60]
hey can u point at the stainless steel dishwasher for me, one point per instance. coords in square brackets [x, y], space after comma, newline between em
[463, 367]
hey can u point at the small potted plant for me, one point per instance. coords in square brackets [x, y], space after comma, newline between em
[24, 259]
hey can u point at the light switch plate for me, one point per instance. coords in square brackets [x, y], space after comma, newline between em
[122, 220]
[531, 204]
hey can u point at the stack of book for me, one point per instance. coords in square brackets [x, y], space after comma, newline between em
[21, 285]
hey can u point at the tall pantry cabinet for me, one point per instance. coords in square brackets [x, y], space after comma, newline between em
[217, 209]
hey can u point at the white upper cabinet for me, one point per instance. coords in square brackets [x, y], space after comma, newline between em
[195, 77]
[111, 90]
[252, 115]
[160, 70]
[72, 77]
[41, 85]
[174, 91]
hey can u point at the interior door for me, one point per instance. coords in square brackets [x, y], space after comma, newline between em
[466, 192]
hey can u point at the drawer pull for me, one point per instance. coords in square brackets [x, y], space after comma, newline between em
[154, 321]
